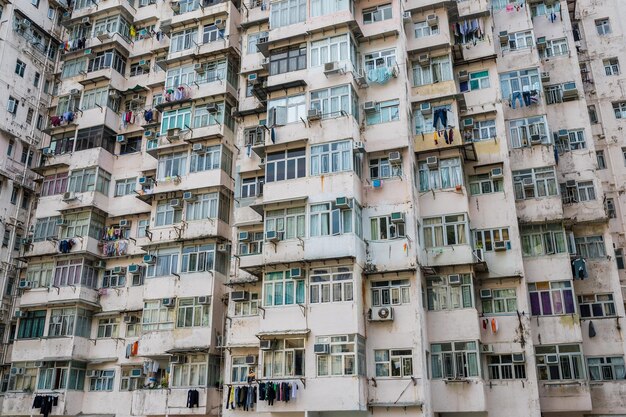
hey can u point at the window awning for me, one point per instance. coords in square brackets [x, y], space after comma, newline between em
[273, 333]
[294, 201]
[101, 360]
[196, 349]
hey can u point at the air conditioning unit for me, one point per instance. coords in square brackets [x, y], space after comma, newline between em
[40, 364]
[321, 348]
[397, 217]
[563, 134]
[145, 180]
[173, 134]
[149, 259]
[425, 108]
[541, 43]
[432, 162]
[103, 36]
[144, 63]
[17, 371]
[496, 173]
[395, 158]
[265, 62]
[239, 296]
[314, 114]
[124, 223]
[189, 197]
[85, 21]
[272, 236]
[175, 6]
[528, 183]
[120, 139]
[197, 147]
[552, 359]
[74, 92]
[504, 37]
[297, 273]
[177, 359]
[69, 196]
[199, 68]
[454, 279]
[93, 373]
[212, 108]
[244, 236]
[369, 107]
[463, 76]
[119, 270]
[382, 314]
[432, 20]
[570, 183]
[135, 373]
[518, 358]
[266, 344]
[176, 203]
[479, 254]
[359, 146]
[204, 300]
[535, 139]
[168, 302]
[251, 360]
[499, 245]
[253, 78]
[100, 264]
[222, 247]
[128, 319]
[47, 151]
[24, 284]
[486, 348]
[423, 59]
[545, 76]
[469, 122]
[406, 17]
[332, 67]
[114, 93]
[570, 91]
[220, 23]
[134, 269]
[18, 314]
[343, 202]
[485, 294]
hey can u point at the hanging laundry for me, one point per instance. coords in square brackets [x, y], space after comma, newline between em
[65, 246]
[494, 326]
[592, 329]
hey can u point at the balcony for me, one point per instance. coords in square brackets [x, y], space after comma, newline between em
[211, 229]
[173, 401]
[385, 393]
[584, 212]
[607, 397]
[254, 12]
[51, 348]
[241, 331]
[456, 396]
[464, 324]
[116, 81]
[217, 85]
[162, 342]
[102, 7]
[565, 396]
[59, 295]
[545, 209]
[547, 268]
[20, 403]
[532, 156]
[456, 200]
[343, 18]
[184, 11]
[312, 249]
[559, 329]
[449, 255]
[99, 116]
[194, 181]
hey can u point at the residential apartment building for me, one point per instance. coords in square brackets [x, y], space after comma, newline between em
[292, 207]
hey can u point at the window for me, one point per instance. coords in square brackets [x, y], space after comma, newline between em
[377, 14]
[382, 168]
[503, 367]
[40, 275]
[46, 228]
[179, 118]
[609, 207]
[113, 280]
[240, 370]
[394, 363]
[335, 101]
[593, 114]
[181, 76]
[200, 258]
[252, 187]
[32, 326]
[172, 165]
[590, 247]
[600, 159]
[447, 174]
[73, 67]
[75, 272]
[183, 39]
[15, 193]
[139, 69]
[204, 207]
[334, 49]
[125, 187]
[288, 223]
[247, 308]
[166, 263]
[445, 231]
[603, 26]
[423, 29]
[142, 227]
[103, 381]
[212, 157]
[203, 118]
[12, 105]
[387, 293]
[211, 33]
[35, 3]
[82, 223]
[583, 191]
[287, 12]
[36, 79]
[611, 66]
[477, 81]
[285, 165]
[280, 289]
[128, 381]
[445, 294]
[10, 147]
[386, 111]
[288, 60]
[559, 362]
[437, 70]
[346, 355]
[535, 183]
[191, 313]
[520, 40]
[528, 132]
[519, 81]
[69, 321]
[107, 328]
[544, 239]
[254, 39]
[484, 239]
[157, 316]
[551, 298]
[27, 156]
[330, 219]
[287, 359]
[131, 145]
[574, 140]
[485, 184]
[29, 119]
[286, 110]
[89, 179]
[332, 284]
[25, 382]
[95, 137]
[20, 68]
[607, 368]
[555, 47]
[596, 305]
[502, 301]
[383, 228]
[380, 59]
[107, 59]
[454, 360]
[54, 376]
